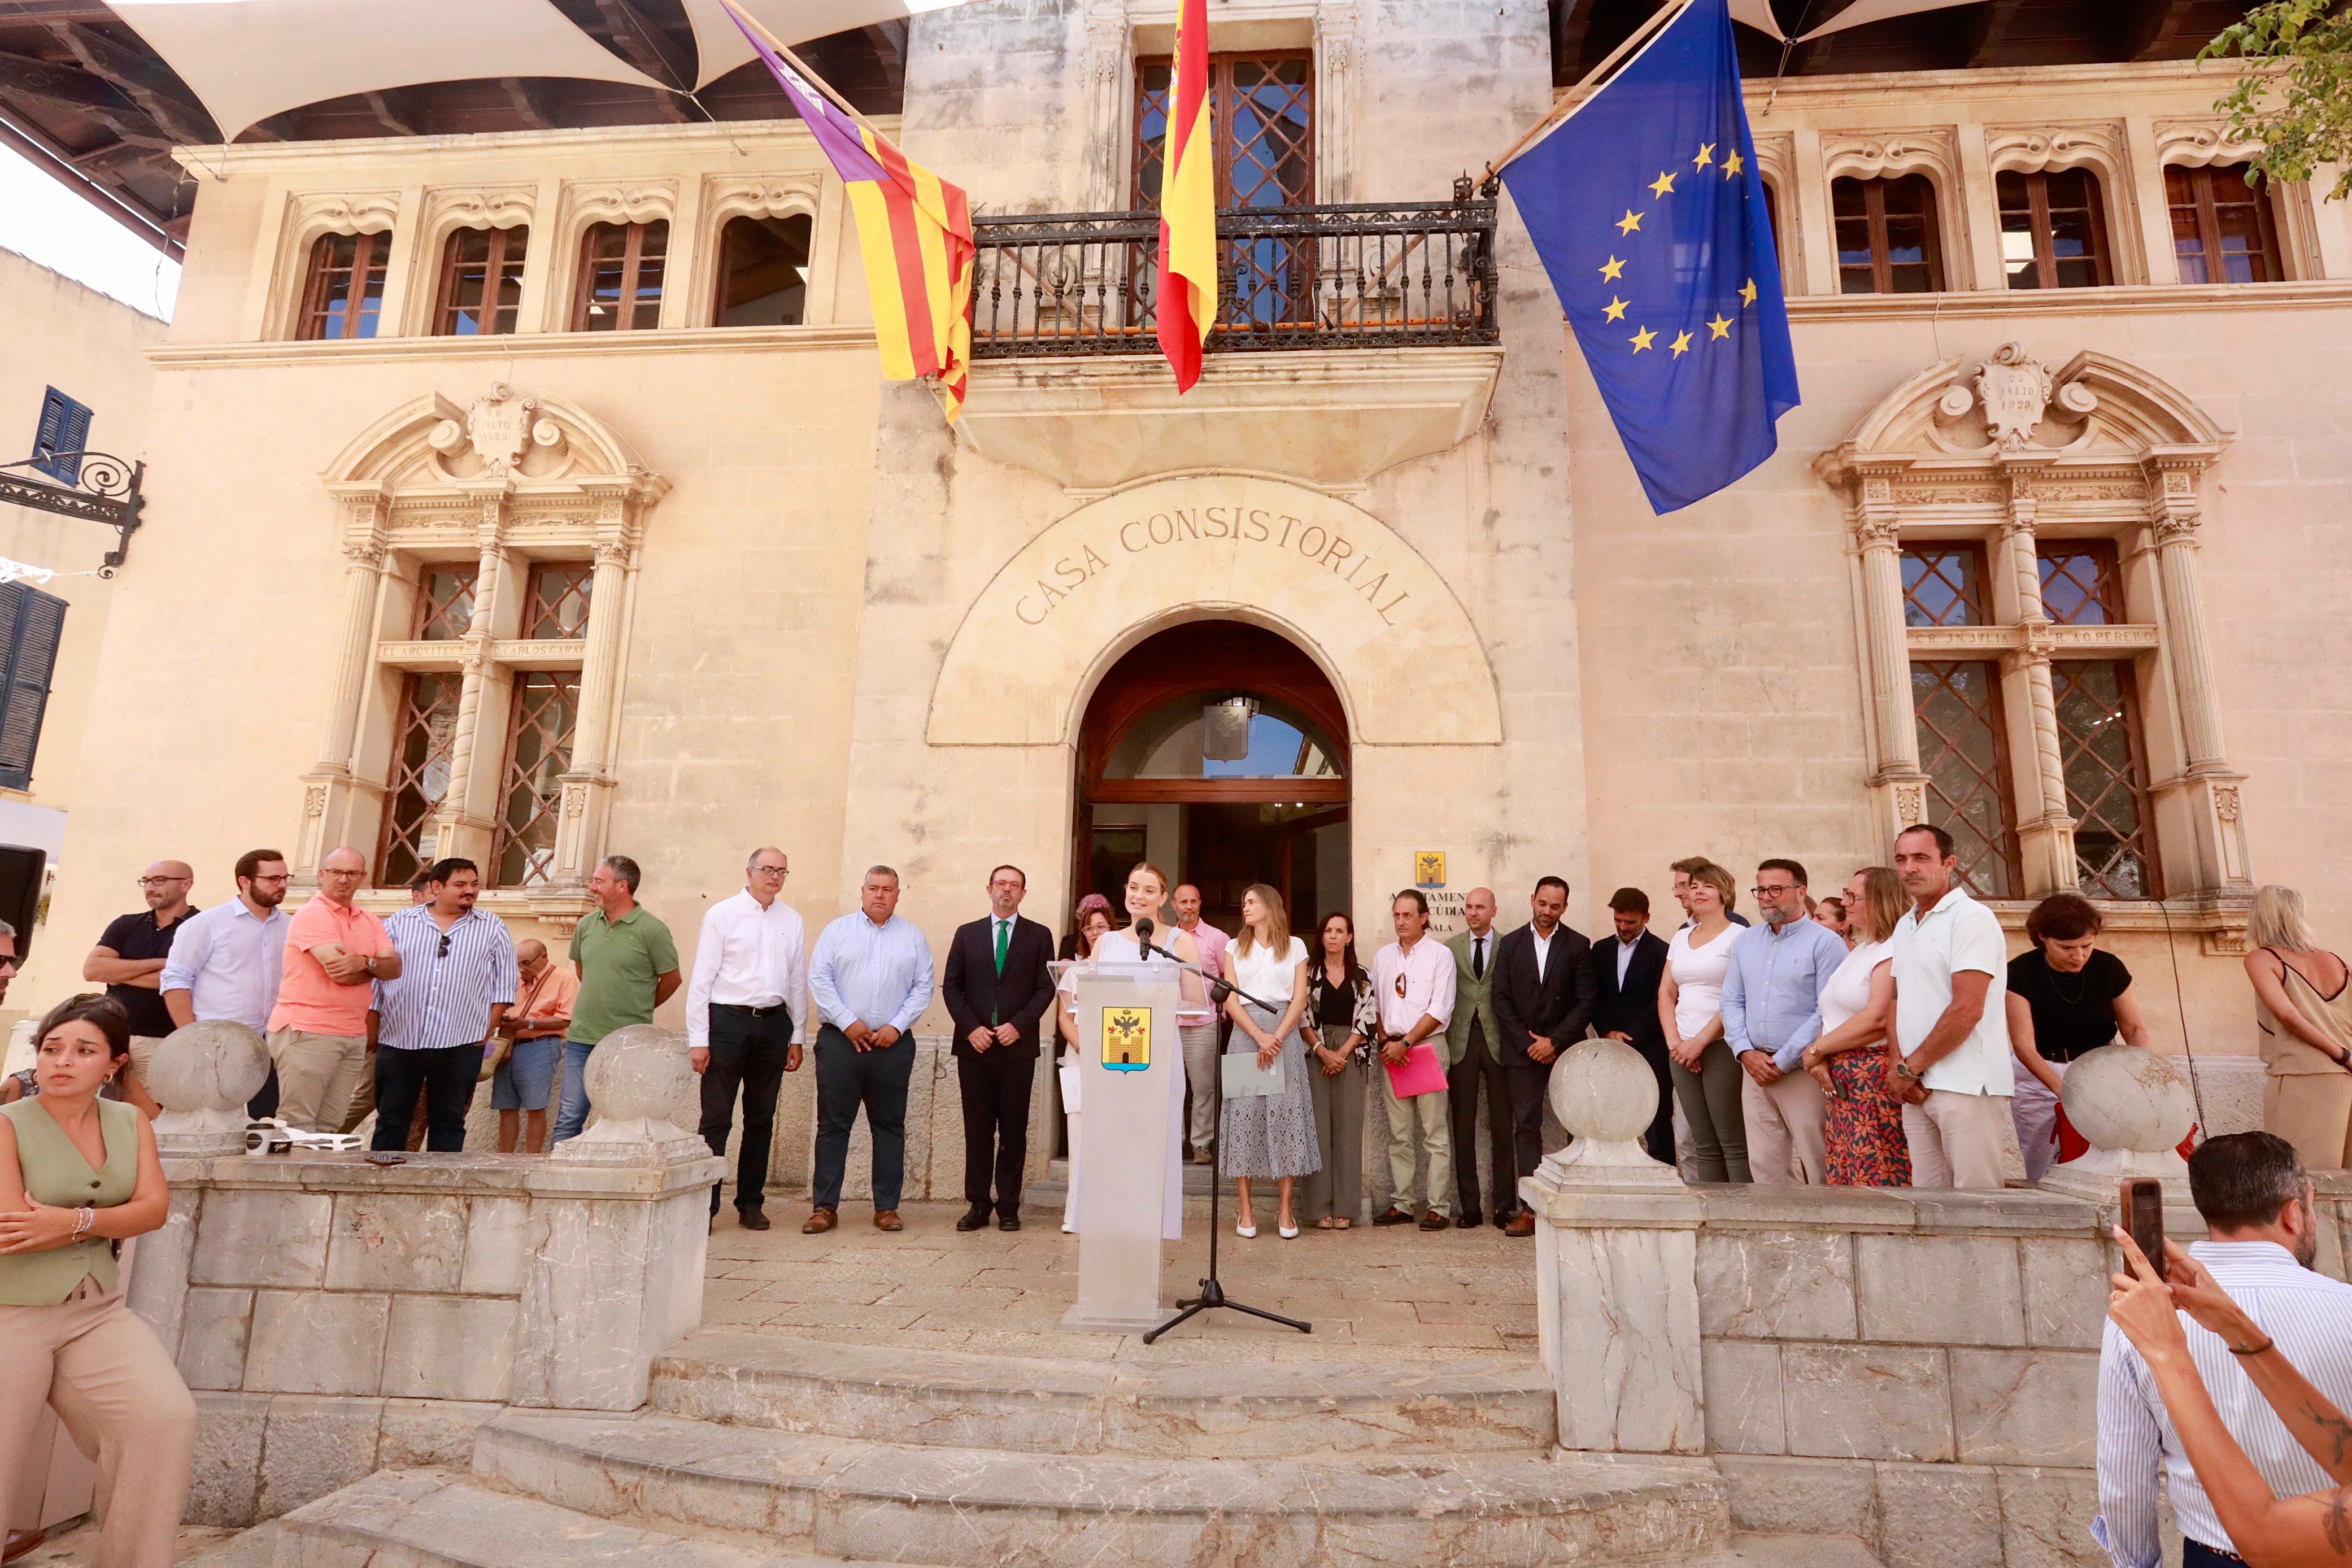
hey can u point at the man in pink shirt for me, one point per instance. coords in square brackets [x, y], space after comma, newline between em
[318, 1035]
[1201, 1061]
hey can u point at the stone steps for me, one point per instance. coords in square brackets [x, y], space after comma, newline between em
[947, 1399]
[437, 1519]
[977, 1507]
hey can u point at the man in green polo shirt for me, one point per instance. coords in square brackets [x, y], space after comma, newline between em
[628, 964]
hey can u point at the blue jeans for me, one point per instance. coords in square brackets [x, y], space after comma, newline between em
[573, 1116]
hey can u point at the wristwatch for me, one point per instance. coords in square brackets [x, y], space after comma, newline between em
[1904, 1070]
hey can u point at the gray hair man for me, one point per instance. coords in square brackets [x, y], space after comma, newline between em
[749, 993]
[870, 978]
[628, 964]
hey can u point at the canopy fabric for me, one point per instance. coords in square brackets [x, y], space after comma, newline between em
[249, 59]
[1757, 14]
[721, 46]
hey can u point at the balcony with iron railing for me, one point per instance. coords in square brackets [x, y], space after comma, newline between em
[1359, 275]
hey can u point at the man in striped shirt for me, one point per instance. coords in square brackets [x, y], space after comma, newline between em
[2256, 1203]
[456, 980]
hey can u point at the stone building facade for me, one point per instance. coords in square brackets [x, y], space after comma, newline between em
[2064, 565]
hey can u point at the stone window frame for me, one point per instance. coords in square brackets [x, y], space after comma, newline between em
[2097, 146]
[1932, 152]
[586, 203]
[310, 218]
[1776, 162]
[447, 209]
[1955, 453]
[800, 192]
[434, 483]
[2199, 142]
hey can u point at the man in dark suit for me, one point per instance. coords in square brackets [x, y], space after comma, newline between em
[996, 989]
[1543, 1000]
[1625, 976]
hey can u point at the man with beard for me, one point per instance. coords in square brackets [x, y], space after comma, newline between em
[227, 962]
[130, 955]
[453, 979]
[2263, 1239]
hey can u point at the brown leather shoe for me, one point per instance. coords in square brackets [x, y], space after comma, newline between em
[887, 1219]
[1432, 1220]
[819, 1220]
[1522, 1224]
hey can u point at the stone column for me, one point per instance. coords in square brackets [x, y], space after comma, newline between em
[1899, 786]
[328, 796]
[465, 818]
[2216, 828]
[1616, 1265]
[2045, 827]
[587, 783]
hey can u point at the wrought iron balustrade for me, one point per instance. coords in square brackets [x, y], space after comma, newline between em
[1363, 275]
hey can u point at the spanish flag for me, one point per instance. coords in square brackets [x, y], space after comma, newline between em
[1188, 204]
[914, 228]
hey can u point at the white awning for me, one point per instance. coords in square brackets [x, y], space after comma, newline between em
[1757, 14]
[721, 46]
[249, 59]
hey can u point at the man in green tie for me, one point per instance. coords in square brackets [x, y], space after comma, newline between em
[997, 987]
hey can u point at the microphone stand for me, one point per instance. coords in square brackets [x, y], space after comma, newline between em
[1213, 1293]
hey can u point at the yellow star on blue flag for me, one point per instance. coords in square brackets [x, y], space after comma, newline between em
[1696, 254]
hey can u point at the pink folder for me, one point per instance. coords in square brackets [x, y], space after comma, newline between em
[1417, 1074]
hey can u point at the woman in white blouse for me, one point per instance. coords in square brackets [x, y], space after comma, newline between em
[1265, 1135]
[1864, 1126]
[1690, 1008]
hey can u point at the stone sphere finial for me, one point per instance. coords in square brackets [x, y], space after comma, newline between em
[2123, 1098]
[1604, 1091]
[215, 1065]
[638, 1073]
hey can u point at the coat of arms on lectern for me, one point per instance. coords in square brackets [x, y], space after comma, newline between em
[1127, 1038]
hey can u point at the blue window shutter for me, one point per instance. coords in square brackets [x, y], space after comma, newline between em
[65, 427]
[33, 621]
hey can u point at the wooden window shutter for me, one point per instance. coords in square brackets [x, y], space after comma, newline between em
[35, 621]
[65, 427]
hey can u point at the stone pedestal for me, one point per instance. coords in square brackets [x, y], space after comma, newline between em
[2134, 1107]
[203, 1076]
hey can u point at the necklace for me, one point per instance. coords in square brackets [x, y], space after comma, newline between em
[2081, 990]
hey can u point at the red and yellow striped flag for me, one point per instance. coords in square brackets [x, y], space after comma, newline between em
[1188, 204]
[914, 228]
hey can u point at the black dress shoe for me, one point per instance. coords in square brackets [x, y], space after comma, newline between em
[751, 1219]
[1469, 1219]
[1503, 1218]
[974, 1218]
[1393, 1217]
[1009, 1222]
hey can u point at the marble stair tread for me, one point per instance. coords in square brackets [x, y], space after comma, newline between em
[965, 1400]
[754, 1479]
[438, 1519]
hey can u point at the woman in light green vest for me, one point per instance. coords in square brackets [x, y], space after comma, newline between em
[77, 1175]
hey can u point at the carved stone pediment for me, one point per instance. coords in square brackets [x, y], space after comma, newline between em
[498, 431]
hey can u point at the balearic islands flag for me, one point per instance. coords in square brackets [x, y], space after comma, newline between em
[1648, 211]
[1188, 204]
[914, 228]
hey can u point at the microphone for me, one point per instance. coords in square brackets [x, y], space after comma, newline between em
[1143, 937]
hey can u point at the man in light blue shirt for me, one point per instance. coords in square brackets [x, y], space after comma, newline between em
[1772, 1012]
[870, 978]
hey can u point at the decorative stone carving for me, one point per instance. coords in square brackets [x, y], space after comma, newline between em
[499, 206]
[361, 212]
[1605, 1095]
[2198, 142]
[1911, 802]
[2134, 1107]
[633, 1078]
[2097, 143]
[498, 428]
[202, 1075]
[2225, 802]
[2014, 391]
[1873, 154]
[644, 202]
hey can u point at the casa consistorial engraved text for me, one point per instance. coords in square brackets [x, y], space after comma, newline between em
[1323, 546]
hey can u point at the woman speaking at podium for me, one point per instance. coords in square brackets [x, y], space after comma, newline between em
[1146, 890]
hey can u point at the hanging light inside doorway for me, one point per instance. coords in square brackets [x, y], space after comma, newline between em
[1226, 729]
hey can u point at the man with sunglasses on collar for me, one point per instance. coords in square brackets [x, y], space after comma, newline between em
[455, 981]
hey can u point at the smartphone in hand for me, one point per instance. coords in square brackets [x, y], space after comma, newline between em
[2143, 1207]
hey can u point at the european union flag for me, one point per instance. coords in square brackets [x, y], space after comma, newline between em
[1649, 213]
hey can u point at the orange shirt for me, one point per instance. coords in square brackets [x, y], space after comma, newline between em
[551, 995]
[307, 999]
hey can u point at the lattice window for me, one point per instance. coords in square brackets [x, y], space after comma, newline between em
[2222, 227]
[2106, 778]
[556, 605]
[1963, 747]
[420, 775]
[481, 281]
[1944, 585]
[1886, 236]
[621, 269]
[1262, 116]
[445, 603]
[530, 791]
[2080, 585]
[343, 296]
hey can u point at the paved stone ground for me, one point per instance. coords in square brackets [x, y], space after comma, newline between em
[1371, 1294]
[77, 1546]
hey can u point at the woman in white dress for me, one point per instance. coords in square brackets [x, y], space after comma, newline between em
[1146, 890]
[1094, 925]
[1271, 1134]
[1690, 1008]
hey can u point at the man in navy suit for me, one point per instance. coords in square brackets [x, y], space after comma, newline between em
[1543, 1000]
[1625, 976]
[997, 988]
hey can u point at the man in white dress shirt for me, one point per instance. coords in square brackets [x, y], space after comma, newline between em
[227, 962]
[1413, 978]
[2255, 1200]
[750, 987]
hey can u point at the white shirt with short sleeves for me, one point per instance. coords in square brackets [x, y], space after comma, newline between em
[1959, 935]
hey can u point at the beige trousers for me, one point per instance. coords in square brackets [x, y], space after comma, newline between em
[2313, 1112]
[1425, 1121]
[1959, 1140]
[1788, 1137]
[317, 1075]
[101, 1368]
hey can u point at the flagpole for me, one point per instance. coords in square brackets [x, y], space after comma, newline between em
[800, 65]
[1569, 102]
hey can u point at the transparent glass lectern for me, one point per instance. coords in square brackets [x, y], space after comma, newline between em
[1130, 1092]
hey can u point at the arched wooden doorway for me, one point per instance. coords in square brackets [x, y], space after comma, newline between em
[1220, 751]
